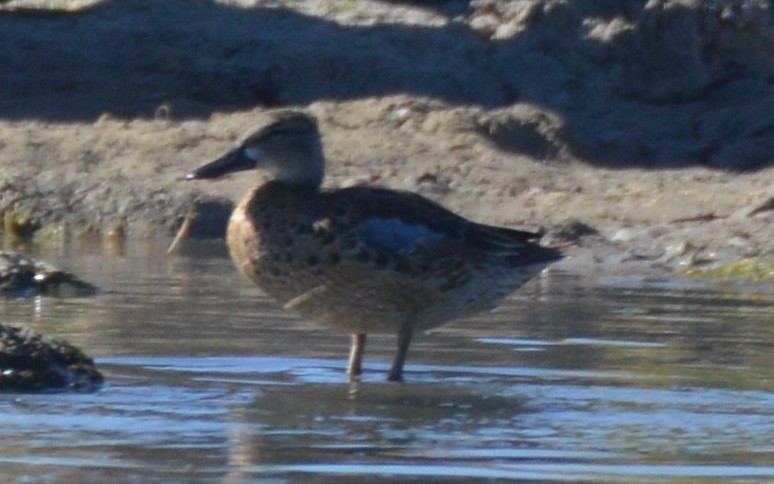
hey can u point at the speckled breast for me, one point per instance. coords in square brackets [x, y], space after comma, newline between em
[270, 242]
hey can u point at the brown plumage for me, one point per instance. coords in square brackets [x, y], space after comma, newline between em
[363, 259]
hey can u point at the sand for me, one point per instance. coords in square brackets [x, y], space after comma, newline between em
[641, 131]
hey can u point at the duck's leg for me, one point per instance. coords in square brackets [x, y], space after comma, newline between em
[404, 340]
[355, 365]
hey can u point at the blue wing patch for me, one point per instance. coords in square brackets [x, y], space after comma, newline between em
[396, 235]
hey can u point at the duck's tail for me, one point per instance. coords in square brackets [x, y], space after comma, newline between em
[516, 247]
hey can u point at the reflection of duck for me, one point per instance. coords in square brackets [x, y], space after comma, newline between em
[363, 259]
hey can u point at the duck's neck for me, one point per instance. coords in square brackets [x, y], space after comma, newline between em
[307, 182]
[294, 186]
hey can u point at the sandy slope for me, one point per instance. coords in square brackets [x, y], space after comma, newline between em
[653, 124]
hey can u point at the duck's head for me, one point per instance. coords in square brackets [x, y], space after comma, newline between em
[289, 148]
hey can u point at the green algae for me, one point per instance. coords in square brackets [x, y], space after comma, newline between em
[753, 269]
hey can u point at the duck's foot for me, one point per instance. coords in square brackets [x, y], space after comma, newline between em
[404, 340]
[395, 375]
[355, 364]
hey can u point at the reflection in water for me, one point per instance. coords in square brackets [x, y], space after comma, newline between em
[623, 379]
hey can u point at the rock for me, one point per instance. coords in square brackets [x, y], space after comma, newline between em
[623, 235]
[31, 362]
[206, 218]
[528, 130]
[569, 231]
[210, 217]
[21, 276]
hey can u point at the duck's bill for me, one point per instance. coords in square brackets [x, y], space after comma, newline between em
[233, 161]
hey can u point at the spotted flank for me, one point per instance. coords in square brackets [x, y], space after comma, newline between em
[363, 259]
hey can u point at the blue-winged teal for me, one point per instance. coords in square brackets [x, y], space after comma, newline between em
[363, 259]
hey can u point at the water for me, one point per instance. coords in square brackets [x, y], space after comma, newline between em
[617, 379]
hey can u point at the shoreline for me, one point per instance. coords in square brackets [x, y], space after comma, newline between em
[546, 115]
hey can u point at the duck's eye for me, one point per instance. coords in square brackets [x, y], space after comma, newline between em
[253, 152]
[285, 132]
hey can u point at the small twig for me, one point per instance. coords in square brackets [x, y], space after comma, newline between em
[702, 217]
[182, 234]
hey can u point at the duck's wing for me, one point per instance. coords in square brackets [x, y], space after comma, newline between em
[399, 245]
[395, 221]
[408, 250]
[405, 223]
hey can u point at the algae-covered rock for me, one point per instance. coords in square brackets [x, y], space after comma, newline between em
[753, 269]
[22, 276]
[31, 362]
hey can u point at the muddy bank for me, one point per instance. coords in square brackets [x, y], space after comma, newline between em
[651, 122]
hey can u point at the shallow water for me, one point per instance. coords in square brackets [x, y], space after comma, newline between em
[618, 379]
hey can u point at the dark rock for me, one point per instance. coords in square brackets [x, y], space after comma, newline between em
[30, 362]
[21, 276]
[209, 217]
[528, 130]
[569, 231]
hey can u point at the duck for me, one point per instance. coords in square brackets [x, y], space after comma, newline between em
[362, 259]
